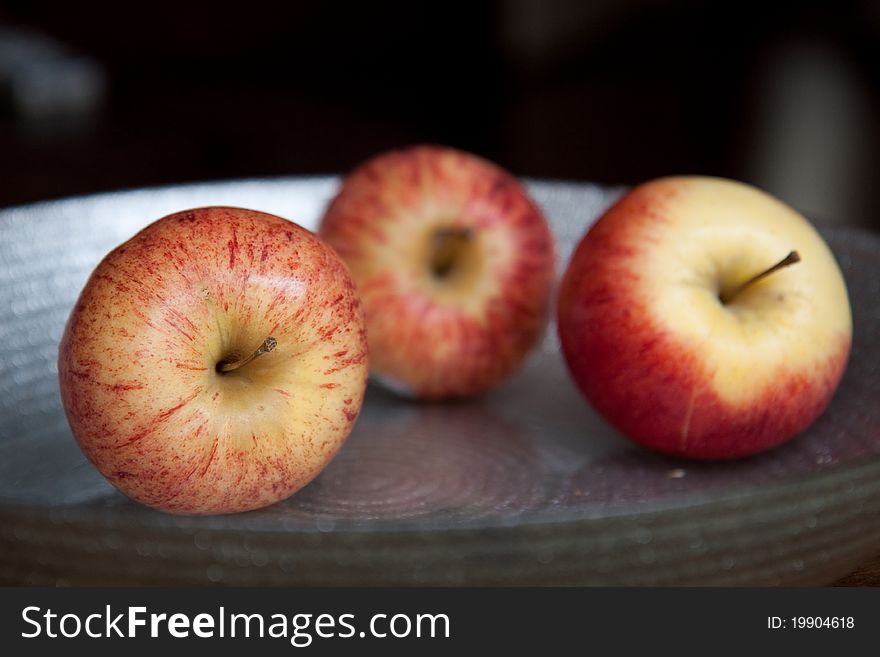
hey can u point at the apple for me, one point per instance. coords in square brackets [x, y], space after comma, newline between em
[705, 319]
[215, 362]
[454, 264]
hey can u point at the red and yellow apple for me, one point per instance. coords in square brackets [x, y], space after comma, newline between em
[454, 264]
[688, 322]
[215, 362]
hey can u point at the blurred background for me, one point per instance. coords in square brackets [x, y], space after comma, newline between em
[111, 95]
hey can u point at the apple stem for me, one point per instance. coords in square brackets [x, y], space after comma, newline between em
[448, 242]
[790, 259]
[234, 362]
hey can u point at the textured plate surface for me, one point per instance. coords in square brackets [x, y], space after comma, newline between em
[525, 486]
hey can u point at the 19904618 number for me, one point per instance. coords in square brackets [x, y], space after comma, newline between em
[820, 622]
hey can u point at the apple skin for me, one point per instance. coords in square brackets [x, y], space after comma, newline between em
[459, 336]
[656, 352]
[137, 361]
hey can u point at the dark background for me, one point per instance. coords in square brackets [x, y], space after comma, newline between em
[782, 95]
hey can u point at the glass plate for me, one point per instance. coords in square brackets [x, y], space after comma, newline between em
[524, 486]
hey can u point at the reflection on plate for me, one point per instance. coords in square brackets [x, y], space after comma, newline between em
[525, 486]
